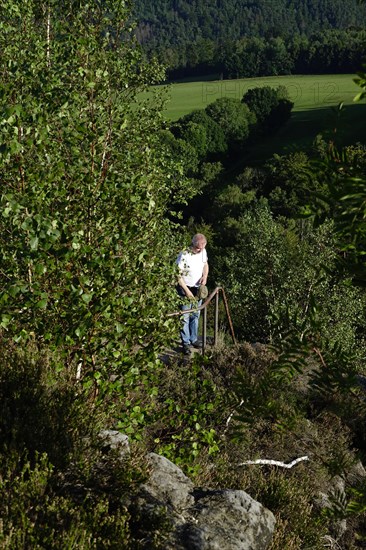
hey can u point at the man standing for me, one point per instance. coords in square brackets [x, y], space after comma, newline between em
[193, 271]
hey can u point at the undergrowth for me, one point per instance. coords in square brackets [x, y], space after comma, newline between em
[283, 420]
[59, 487]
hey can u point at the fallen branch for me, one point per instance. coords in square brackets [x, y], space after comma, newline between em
[275, 462]
[232, 414]
[331, 543]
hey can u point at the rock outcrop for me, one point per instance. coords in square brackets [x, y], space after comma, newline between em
[199, 519]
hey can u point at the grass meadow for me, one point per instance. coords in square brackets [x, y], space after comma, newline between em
[316, 99]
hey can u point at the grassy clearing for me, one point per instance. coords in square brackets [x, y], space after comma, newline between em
[307, 92]
[315, 98]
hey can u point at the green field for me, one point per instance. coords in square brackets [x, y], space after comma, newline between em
[315, 104]
[307, 92]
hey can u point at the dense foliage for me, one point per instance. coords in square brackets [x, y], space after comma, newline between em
[222, 131]
[86, 274]
[180, 21]
[245, 39]
[85, 186]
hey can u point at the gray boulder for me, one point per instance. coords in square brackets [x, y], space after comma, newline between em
[228, 520]
[113, 439]
[167, 484]
[204, 519]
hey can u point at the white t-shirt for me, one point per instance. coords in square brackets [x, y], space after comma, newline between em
[191, 266]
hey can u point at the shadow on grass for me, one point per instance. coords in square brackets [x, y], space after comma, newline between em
[344, 127]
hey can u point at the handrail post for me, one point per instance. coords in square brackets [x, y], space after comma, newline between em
[216, 320]
[228, 316]
[203, 307]
[204, 330]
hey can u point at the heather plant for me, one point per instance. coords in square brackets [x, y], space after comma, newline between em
[57, 486]
[179, 415]
[271, 416]
[42, 410]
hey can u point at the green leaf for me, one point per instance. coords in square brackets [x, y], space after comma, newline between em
[86, 298]
[119, 328]
[34, 243]
[5, 320]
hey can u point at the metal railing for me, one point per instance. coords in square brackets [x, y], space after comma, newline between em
[203, 307]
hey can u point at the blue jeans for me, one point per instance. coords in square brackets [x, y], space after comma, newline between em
[189, 330]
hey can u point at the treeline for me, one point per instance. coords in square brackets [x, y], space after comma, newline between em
[331, 51]
[218, 134]
[235, 39]
[169, 23]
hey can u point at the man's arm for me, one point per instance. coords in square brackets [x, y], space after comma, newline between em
[203, 279]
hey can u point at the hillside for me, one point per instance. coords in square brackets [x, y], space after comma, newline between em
[173, 22]
[99, 195]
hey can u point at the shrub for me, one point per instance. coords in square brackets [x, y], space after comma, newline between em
[281, 420]
[59, 486]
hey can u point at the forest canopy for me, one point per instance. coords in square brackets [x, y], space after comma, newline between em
[278, 37]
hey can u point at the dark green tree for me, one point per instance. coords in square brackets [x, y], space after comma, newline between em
[215, 137]
[261, 101]
[234, 118]
[290, 183]
[270, 105]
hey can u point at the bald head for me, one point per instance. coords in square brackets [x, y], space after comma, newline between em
[199, 242]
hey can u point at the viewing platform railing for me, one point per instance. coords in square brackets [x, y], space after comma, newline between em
[203, 307]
